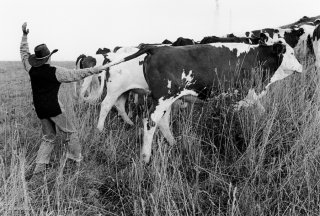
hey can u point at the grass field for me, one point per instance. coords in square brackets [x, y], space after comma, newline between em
[225, 162]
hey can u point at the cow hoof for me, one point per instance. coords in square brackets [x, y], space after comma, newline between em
[145, 158]
[100, 128]
[172, 142]
[130, 123]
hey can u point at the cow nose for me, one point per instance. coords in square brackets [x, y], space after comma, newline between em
[299, 69]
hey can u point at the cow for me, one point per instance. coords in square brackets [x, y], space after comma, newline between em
[166, 41]
[120, 80]
[298, 38]
[124, 78]
[92, 86]
[316, 44]
[183, 42]
[304, 20]
[230, 39]
[195, 73]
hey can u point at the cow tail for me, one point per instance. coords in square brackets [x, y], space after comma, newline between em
[142, 51]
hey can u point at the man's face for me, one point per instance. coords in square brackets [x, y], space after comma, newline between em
[49, 60]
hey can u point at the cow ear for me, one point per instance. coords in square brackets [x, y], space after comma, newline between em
[81, 57]
[99, 51]
[316, 22]
[279, 48]
[261, 42]
[263, 38]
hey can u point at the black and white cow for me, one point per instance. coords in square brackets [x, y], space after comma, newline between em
[298, 38]
[92, 86]
[166, 41]
[194, 72]
[302, 21]
[183, 42]
[230, 39]
[316, 44]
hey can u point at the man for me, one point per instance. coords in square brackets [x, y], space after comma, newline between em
[45, 82]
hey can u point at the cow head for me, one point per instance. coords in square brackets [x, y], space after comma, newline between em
[281, 61]
[263, 39]
[88, 62]
[303, 47]
[289, 63]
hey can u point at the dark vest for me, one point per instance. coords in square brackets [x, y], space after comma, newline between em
[45, 87]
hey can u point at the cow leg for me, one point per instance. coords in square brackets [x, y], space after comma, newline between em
[106, 106]
[147, 139]
[85, 86]
[120, 105]
[165, 128]
[130, 112]
[156, 116]
[150, 125]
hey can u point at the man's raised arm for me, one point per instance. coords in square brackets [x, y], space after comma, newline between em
[24, 48]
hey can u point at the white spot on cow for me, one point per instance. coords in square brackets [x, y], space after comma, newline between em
[239, 47]
[188, 77]
[169, 86]
[164, 104]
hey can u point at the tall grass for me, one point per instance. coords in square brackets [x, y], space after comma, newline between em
[225, 162]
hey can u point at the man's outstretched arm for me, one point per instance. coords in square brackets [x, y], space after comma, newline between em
[72, 75]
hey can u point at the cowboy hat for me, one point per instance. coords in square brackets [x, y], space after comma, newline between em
[40, 56]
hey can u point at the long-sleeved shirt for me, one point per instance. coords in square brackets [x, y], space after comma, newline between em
[62, 74]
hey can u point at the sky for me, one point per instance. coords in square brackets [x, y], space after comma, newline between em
[76, 26]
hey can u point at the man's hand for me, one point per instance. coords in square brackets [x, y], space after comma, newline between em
[99, 69]
[24, 29]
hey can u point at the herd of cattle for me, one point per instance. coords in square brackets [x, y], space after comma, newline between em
[195, 71]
